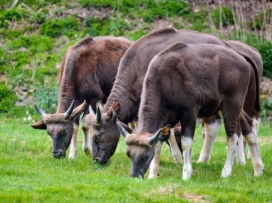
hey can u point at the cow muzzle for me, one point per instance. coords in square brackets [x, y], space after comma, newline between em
[58, 154]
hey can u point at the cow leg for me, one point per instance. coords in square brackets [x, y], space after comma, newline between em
[211, 127]
[187, 135]
[176, 153]
[232, 148]
[73, 146]
[155, 163]
[255, 127]
[86, 146]
[250, 135]
[240, 151]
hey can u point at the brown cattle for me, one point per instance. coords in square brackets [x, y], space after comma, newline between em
[211, 129]
[123, 102]
[87, 72]
[186, 82]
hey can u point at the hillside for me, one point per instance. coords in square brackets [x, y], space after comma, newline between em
[35, 35]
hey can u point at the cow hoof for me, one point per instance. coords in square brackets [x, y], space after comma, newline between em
[72, 154]
[258, 171]
[226, 172]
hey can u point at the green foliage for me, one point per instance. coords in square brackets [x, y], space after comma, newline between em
[47, 98]
[59, 26]
[34, 43]
[266, 51]
[10, 15]
[7, 98]
[226, 16]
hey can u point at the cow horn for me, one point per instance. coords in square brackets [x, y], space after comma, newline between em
[91, 111]
[122, 129]
[68, 113]
[98, 115]
[155, 137]
[39, 111]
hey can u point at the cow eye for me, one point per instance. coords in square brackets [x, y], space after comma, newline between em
[144, 158]
[98, 137]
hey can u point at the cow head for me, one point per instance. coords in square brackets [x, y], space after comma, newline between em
[140, 147]
[104, 132]
[60, 127]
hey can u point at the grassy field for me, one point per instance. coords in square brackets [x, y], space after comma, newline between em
[30, 174]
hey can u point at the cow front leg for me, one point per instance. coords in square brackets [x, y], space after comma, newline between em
[240, 151]
[73, 145]
[210, 128]
[155, 163]
[175, 151]
[187, 143]
[86, 146]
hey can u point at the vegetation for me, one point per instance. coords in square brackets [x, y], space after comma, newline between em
[35, 35]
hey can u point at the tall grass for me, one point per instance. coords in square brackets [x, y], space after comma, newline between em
[30, 174]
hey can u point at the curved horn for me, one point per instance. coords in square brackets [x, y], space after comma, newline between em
[39, 111]
[122, 130]
[91, 111]
[98, 115]
[68, 113]
[155, 137]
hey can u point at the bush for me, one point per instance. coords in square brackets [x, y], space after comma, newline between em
[57, 27]
[7, 98]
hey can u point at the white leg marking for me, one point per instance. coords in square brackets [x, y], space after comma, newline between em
[255, 128]
[255, 153]
[232, 148]
[73, 145]
[210, 134]
[86, 146]
[187, 171]
[176, 153]
[155, 163]
[240, 151]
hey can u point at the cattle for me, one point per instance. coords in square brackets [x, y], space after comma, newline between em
[87, 72]
[249, 107]
[123, 102]
[186, 82]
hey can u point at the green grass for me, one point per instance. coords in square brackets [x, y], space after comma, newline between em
[30, 174]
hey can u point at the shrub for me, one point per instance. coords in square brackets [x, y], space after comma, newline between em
[57, 27]
[7, 98]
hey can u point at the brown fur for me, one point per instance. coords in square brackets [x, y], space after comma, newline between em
[87, 72]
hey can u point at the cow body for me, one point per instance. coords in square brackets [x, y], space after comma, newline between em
[186, 82]
[128, 87]
[87, 72]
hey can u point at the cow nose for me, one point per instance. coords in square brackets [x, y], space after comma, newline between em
[96, 159]
[58, 154]
[137, 175]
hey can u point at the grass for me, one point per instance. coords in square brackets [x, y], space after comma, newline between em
[30, 174]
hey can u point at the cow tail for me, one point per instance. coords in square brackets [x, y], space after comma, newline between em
[252, 63]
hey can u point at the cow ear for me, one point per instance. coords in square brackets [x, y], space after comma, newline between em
[78, 110]
[39, 125]
[113, 111]
[161, 135]
[165, 133]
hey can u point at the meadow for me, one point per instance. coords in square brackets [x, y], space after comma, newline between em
[30, 174]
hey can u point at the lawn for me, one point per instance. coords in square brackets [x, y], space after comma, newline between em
[30, 174]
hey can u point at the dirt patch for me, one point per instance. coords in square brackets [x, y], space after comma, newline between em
[195, 198]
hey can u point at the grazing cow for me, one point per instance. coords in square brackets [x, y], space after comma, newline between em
[123, 102]
[87, 72]
[249, 106]
[186, 82]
